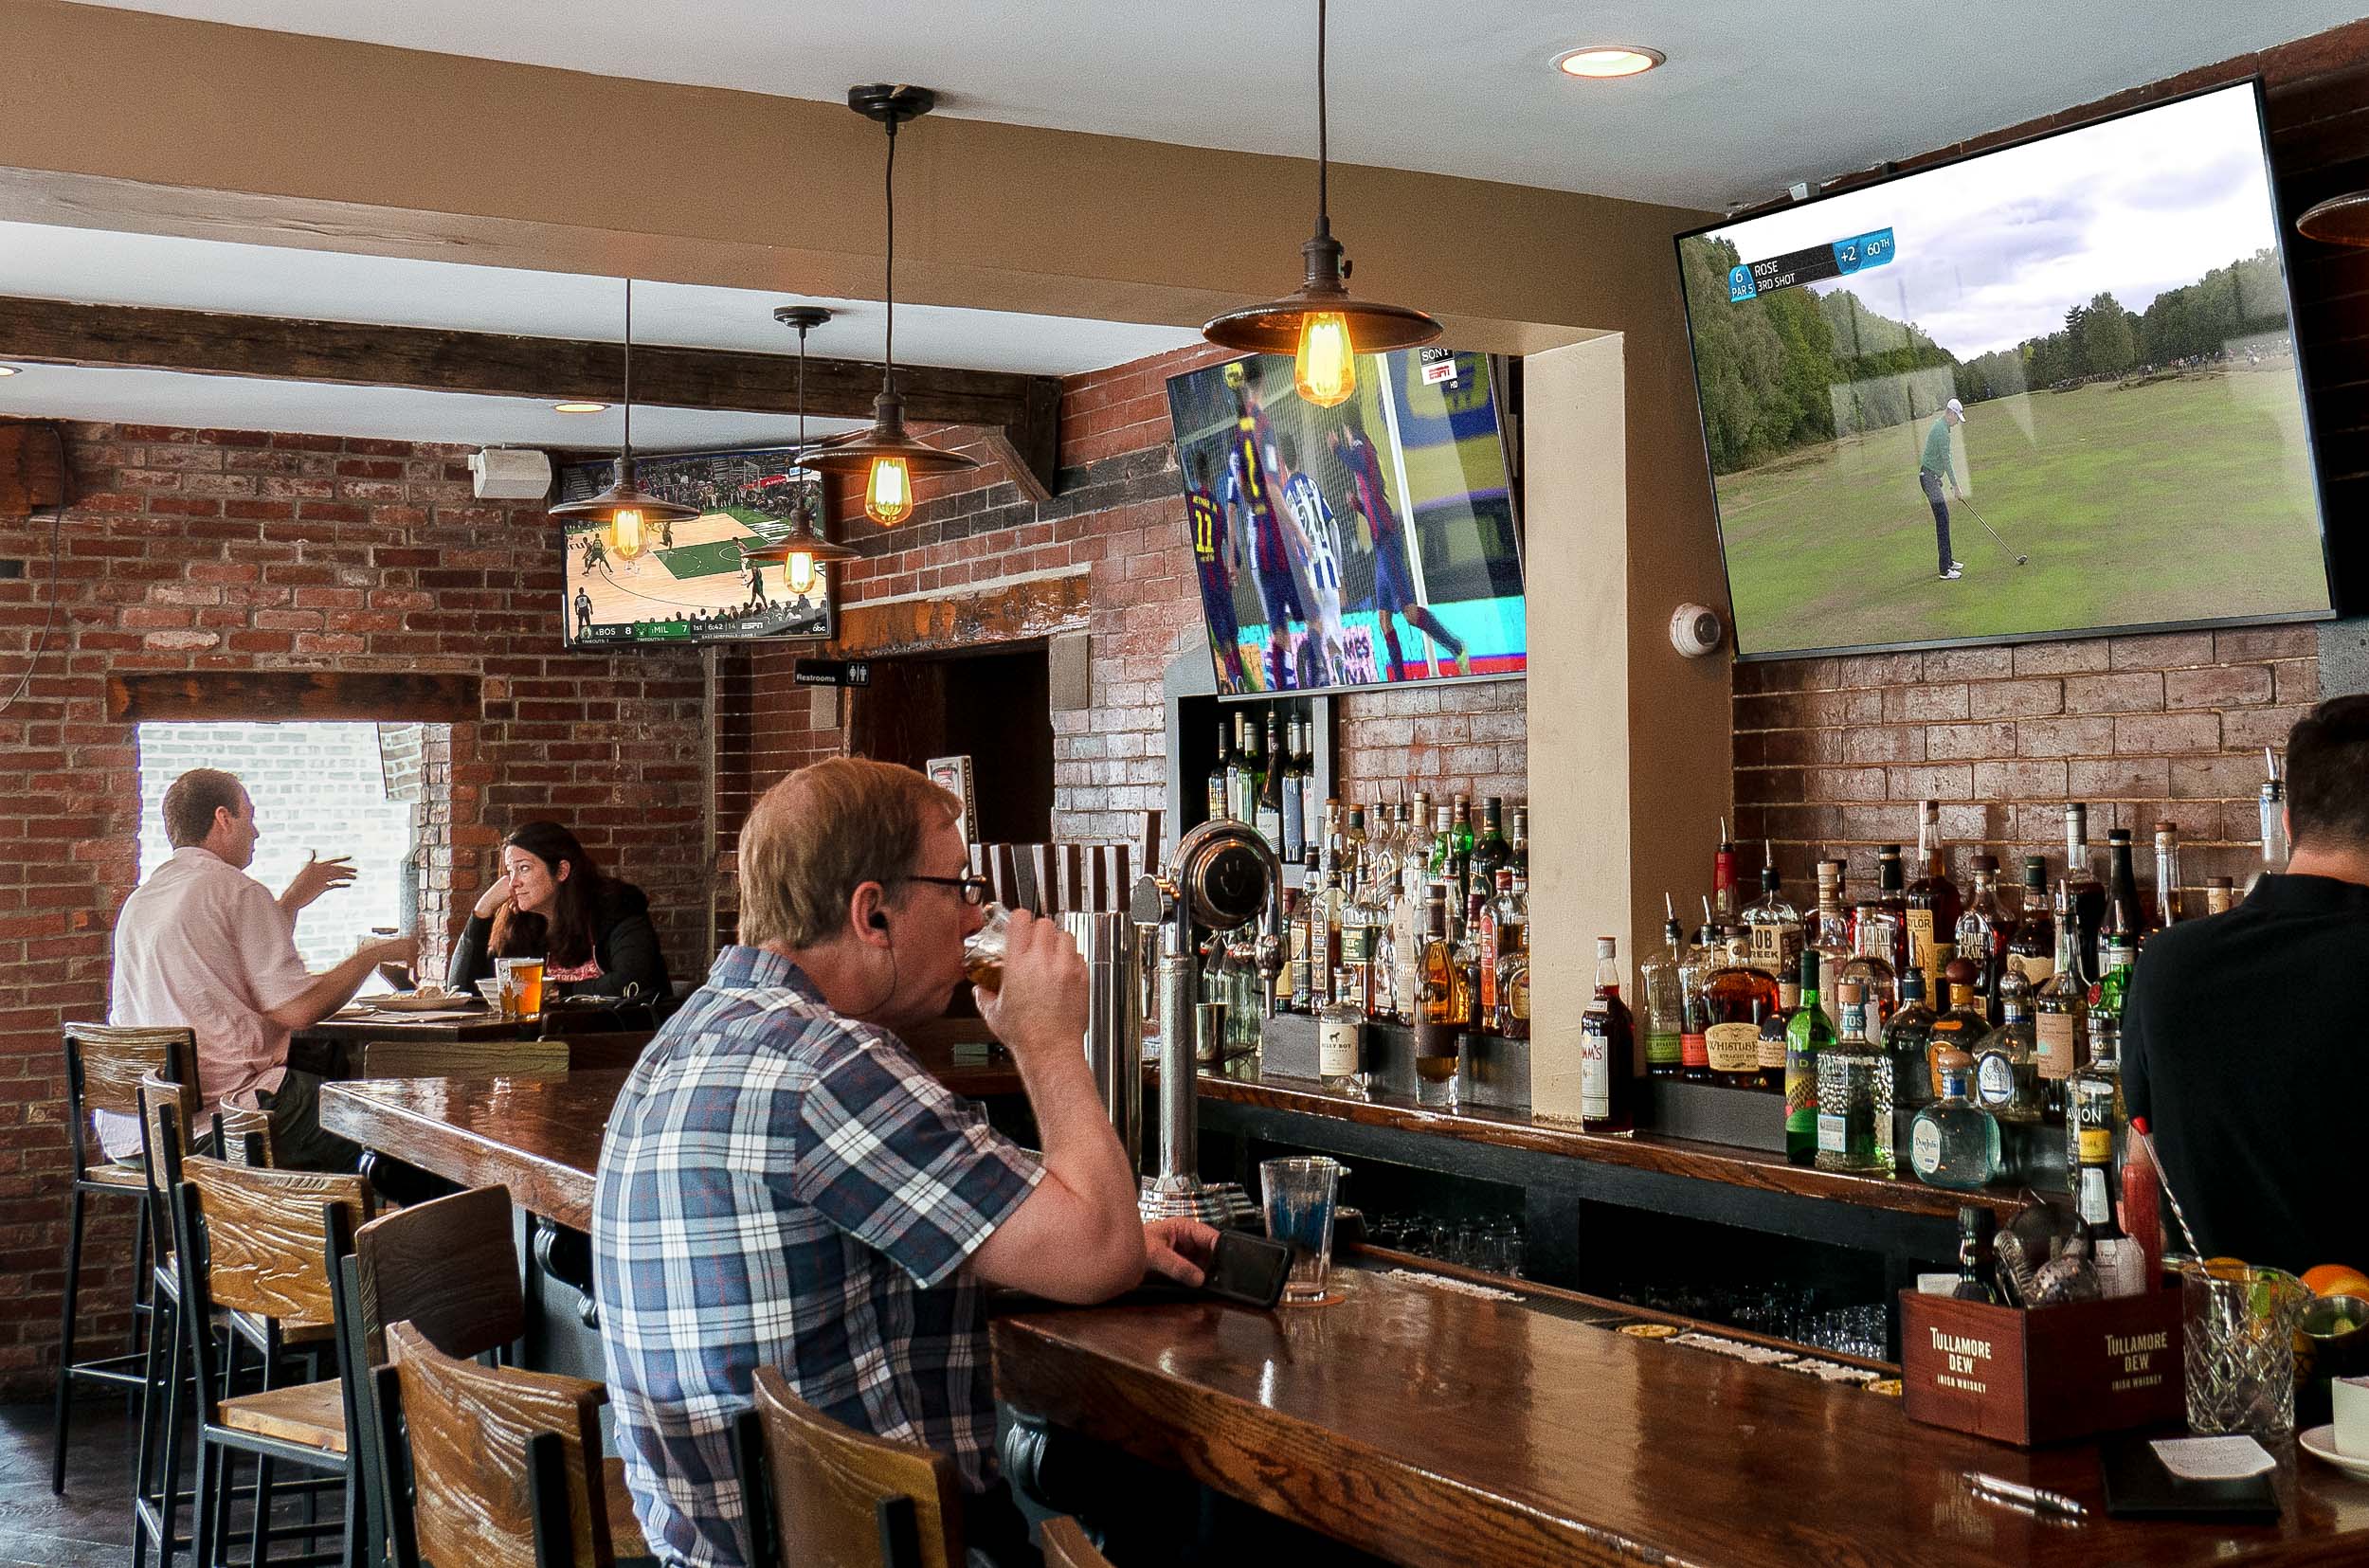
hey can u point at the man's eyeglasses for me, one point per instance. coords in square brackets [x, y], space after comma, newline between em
[974, 890]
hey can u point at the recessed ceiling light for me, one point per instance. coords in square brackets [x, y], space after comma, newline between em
[11, 369]
[1608, 60]
[580, 407]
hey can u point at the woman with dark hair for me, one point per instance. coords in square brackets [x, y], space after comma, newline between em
[592, 932]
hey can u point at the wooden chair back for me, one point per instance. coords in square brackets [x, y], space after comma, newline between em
[841, 1498]
[243, 1136]
[448, 1268]
[502, 1462]
[463, 1058]
[104, 1064]
[1066, 1546]
[168, 1111]
[265, 1251]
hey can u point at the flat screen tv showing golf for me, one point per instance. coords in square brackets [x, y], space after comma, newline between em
[2043, 390]
[687, 582]
[1369, 544]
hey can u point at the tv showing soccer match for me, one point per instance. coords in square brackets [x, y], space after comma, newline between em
[2043, 390]
[686, 582]
[1369, 544]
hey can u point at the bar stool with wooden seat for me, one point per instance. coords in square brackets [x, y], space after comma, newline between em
[1066, 1546]
[503, 1465]
[104, 1063]
[449, 1269]
[259, 1241]
[819, 1494]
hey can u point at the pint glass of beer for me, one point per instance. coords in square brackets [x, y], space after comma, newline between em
[523, 982]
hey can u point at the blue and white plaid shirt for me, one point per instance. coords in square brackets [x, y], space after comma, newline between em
[782, 1186]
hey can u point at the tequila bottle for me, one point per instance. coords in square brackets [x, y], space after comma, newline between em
[1807, 1040]
[1888, 902]
[1909, 1057]
[1774, 925]
[1607, 1065]
[2006, 1068]
[1854, 1112]
[1664, 992]
[1954, 1143]
[1828, 935]
[1962, 1025]
[1870, 969]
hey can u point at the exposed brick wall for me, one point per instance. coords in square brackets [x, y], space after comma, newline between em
[1118, 514]
[208, 549]
[1834, 753]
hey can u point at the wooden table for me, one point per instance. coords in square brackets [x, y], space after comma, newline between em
[1439, 1430]
[537, 1134]
[481, 1024]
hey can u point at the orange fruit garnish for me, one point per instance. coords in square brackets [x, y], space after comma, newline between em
[2336, 1279]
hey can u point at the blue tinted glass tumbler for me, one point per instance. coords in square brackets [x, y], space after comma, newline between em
[1300, 1194]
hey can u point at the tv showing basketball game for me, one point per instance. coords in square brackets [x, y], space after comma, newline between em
[2047, 390]
[686, 582]
[1369, 544]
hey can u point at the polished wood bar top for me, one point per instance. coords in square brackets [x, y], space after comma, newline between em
[539, 1135]
[1437, 1430]
[1740, 1167]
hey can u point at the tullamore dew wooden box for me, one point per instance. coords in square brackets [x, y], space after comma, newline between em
[2044, 1376]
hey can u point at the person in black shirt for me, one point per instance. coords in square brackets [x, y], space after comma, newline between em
[2243, 1036]
[591, 931]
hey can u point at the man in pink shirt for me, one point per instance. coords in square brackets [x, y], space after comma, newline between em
[201, 943]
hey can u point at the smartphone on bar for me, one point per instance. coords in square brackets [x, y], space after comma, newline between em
[1248, 1268]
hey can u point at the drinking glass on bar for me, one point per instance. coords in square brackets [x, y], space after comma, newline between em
[984, 950]
[522, 984]
[2240, 1348]
[1300, 1194]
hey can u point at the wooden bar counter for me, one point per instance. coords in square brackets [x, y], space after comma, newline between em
[1439, 1430]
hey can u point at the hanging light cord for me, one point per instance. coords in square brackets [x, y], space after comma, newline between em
[888, 284]
[629, 368]
[1323, 158]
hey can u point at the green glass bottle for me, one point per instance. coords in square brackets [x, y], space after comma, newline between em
[1806, 1037]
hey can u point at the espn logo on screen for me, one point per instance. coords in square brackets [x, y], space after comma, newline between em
[1438, 365]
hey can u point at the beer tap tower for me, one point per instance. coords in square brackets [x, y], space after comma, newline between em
[1224, 876]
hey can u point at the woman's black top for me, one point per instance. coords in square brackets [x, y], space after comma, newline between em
[625, 943]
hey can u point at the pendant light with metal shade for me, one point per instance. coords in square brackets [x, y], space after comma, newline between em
[625, 507]
[1318, 324]
[802, 547]
[886, 456]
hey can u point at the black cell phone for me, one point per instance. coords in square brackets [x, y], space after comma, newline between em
[1248, 1268]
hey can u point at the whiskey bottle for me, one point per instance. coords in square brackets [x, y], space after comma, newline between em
[2032, 947]
[1982, 933]
[1518, 848]
[1954, 1143]
[1511, 1016]
[1934, 905]
[1296, 984]
[1855, 1102]
[1440, 1029]
[1737, 1000]
[1807, 1039]
[1975, 1228]
[1505, 940]
[1468, 958]
[1908, 1061]
[1607, 1063]
[2088, 891]
[1702, 957]
[1407, 918]
[1771, 1051]
[1375, 880]
[1356, 936]
[2006, 1070]
[1774, 925]
[1888, 902]
[1724, 904]
[2165, 908]
[1665, 1000]
[2058, 1008]
[1341, 1046]
[1490, 853]
[2220, 895]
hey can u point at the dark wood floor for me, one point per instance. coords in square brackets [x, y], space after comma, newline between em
[92, 1522]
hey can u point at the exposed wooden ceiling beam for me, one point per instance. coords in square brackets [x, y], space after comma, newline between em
[1020, 411]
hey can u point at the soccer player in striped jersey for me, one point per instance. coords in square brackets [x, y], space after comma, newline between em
[1314, 537]
[1394, 584]
[1213, 561]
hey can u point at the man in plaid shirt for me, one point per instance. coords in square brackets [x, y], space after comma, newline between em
[781, 1184]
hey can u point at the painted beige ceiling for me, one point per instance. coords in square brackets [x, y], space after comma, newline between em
[1753, 98]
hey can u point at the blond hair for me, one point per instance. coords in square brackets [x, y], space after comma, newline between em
[822, 833]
